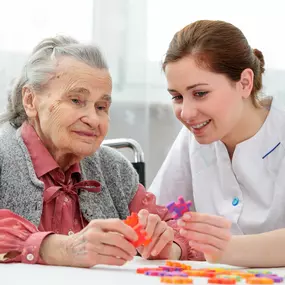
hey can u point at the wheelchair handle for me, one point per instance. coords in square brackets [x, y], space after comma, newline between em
[127, 143]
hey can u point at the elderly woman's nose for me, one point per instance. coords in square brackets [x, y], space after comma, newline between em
[91, 118]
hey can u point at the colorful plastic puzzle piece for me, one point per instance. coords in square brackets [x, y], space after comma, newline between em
[142, 270]
[207, 274]
[171, 268]
[166, 273]
[200, 273]
[259, 280]
[180, 207]
[259, 271]
[274, 277]
[178, 273]
[221, 281]
[133, 221]
[142, 236]
[277, 279]
[155, 273]
[236, 277]
[176, 280]
[245, 274]
[178, 264]
[264, 275]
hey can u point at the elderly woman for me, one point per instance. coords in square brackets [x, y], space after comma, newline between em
[62, 195]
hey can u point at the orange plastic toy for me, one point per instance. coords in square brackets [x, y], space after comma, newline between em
[142, 270]
[221, 281]
[258, 280]
[133, 221]
[176, 280]
[178, 264]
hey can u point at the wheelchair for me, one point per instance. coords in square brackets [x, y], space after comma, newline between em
[138, 163]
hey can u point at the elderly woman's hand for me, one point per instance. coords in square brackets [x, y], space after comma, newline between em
[100, 242]
[161, 245]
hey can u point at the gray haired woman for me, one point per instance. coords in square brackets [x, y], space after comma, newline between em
[62, 195]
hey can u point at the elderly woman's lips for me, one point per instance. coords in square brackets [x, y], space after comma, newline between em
[86, 134]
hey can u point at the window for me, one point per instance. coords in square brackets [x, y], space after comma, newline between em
[262, 22]
[24, 23]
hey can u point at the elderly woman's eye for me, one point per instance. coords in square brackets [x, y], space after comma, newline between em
[101, 108]
[76, 101]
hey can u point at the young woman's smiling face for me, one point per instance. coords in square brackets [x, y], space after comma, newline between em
[207, 103]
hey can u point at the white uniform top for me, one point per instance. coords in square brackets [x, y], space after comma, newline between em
[249, 190]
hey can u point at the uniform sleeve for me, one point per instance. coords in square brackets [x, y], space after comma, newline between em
[20, 240]
[174, 177]
[147, 200]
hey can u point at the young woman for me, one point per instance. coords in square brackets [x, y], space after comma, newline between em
[229, 156]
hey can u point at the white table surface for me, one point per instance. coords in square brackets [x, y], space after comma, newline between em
[22, 274]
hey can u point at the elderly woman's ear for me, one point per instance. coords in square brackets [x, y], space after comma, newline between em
[29, 101]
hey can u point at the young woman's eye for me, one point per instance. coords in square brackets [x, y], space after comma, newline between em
[177, 98]
[200, 94]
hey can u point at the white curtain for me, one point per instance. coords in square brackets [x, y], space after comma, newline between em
[134, 35]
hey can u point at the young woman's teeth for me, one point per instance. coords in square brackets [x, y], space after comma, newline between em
[199, 126]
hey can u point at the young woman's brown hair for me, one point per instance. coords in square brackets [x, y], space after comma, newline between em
[220, 47]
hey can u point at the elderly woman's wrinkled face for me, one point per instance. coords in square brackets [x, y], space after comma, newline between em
[72, 113]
